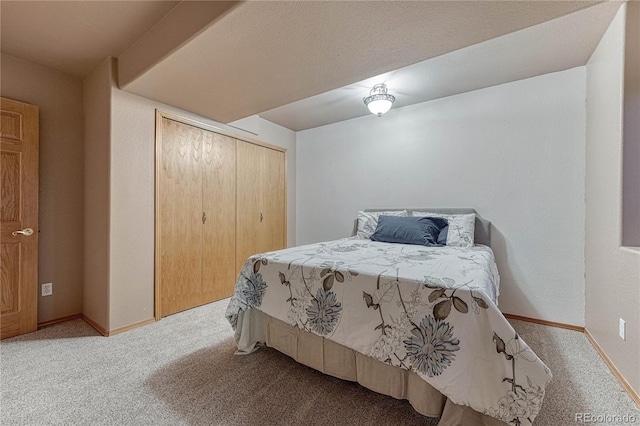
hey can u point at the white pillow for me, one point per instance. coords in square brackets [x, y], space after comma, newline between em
[461, 227]
[368, 221]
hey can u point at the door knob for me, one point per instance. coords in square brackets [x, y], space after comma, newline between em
[26, 232]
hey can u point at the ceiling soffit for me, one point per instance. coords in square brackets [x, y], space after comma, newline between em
[262, 55]
[75, 36]
[552, 46]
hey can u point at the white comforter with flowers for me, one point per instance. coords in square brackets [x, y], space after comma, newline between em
[431, 310]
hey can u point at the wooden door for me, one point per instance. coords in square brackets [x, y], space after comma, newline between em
[179, 228]
[248, 202]
[219, 206]
[261, 201]
[273, 200]
[196, 216]
[19, 213]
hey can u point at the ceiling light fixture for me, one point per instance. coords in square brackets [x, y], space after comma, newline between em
[378, 100]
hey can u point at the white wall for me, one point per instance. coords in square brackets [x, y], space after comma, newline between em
[612, 272]
[513, 152]
[132, 199]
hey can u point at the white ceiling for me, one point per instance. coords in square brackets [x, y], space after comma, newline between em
[295, 62]
[556, 45]
[263, 55]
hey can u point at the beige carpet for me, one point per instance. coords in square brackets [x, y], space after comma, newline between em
[182, 371]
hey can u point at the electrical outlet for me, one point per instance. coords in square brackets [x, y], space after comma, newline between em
[47, 289]
[622, 329]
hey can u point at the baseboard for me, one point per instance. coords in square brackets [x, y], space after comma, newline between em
[130, 326]
[632, 393]
[95, 325]
[107, 333]
[58, 320]
[616, 373]
[544, 322]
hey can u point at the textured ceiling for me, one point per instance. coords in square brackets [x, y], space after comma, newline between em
[75, 36]
[555, 45]
[295, 62]
[262, 55]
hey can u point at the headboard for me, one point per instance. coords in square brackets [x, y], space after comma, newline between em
[482, 233]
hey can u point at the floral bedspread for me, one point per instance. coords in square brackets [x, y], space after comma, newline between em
[431, 310]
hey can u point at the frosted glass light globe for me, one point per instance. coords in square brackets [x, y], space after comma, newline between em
[379, 106]
[378, 100]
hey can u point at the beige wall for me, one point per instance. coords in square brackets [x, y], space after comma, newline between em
[631, 153]
[59, 97]
[120, 197]
[612, 272]
[97, 95]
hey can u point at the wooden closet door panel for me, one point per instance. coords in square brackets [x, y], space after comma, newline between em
[180, 204]
[248, 201]
[219, 205]
[261, 201]
[273, 200]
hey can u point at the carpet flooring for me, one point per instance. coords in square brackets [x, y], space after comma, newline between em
[182, 371]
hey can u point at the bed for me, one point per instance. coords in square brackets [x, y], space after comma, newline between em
[409, 321]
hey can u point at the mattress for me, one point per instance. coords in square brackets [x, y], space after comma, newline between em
[429, 311]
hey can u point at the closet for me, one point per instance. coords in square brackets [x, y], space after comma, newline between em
[261, 208]
[219, 199]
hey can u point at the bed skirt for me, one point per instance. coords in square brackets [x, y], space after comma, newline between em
[339, 361]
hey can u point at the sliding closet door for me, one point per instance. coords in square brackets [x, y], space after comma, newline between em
[261, 201]
[248, 199]
[219, 208]
[180, 217]
[274, 203]
[218, 201]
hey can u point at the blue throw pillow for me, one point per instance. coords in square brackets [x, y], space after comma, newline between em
[442, 236]
[409, 230]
